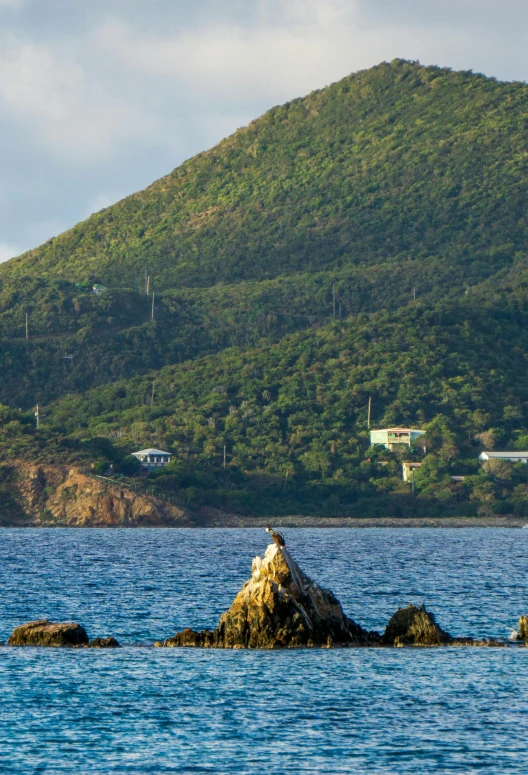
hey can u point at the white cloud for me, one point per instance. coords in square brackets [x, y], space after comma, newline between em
[97, 99]
[7, 252]
[53, 97]
[289, 49]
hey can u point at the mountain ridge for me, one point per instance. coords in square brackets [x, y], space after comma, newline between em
[388, 160]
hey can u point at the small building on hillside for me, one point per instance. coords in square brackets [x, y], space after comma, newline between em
[408, 469]
[390, 437]
[511, 457]
[98, 289]
[151, 459]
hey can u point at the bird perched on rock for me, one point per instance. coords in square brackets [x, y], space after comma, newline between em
[278, 538]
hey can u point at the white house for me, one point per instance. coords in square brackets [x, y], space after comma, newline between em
[512, 457]
[151, 459]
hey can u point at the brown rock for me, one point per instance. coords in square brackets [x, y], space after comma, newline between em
[279, 607]
[413, 626]
[523, 628]
[49, 495]
[104, 643]
[45, 633]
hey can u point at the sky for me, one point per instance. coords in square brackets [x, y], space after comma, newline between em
[98, 98]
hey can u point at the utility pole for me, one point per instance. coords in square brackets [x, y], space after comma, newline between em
[27, 326]
[414, 294]
[152, 396]
[153, 295]
[37, 415]
[369, 411]
[148, 285]
[225, 456]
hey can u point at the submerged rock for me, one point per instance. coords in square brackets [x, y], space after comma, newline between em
[279, 607]
[46, 633]
[103, 643]
[415, 626]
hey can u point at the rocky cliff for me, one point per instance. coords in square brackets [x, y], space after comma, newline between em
[279, 607]
[60, 496]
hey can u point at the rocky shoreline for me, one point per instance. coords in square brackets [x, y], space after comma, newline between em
[47, 496]
[279, 607]
[219, 519]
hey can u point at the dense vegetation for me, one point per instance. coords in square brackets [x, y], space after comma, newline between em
[368, 240]
[394, 162]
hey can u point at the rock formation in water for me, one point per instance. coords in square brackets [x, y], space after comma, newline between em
[523, 628]
[414, 626]
[279, 607]
[45, 633]
[63, 635]
[103, 643]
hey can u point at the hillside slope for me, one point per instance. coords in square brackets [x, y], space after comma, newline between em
[293, 417]
[369, 240]
[396, 181]
[393, 162]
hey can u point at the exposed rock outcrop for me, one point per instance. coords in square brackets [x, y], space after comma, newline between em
[57, 495]
[279, 607]
[523, 628]
[46, 633]
[104, 643]
[414, 626]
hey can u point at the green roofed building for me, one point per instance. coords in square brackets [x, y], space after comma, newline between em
[389, 437]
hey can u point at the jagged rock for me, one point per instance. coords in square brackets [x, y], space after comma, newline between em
[59, 495]
[413, 626]
[279, 607]
[46, 633]
[103, 643]
[523, 628]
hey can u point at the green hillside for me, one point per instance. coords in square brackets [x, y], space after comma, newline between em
[394, 162]
[113, 336]
[367, 240]
[293, 416]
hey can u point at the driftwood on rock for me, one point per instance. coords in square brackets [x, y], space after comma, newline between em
[279, 607]
[46, 633]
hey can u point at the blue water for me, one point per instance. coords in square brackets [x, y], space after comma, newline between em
[144, 710]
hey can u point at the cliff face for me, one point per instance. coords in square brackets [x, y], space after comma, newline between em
[279, 607]
[54, 496]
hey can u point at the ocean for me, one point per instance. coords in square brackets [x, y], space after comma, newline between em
[143, 710]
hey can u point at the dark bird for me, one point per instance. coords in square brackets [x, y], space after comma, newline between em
[278, 538]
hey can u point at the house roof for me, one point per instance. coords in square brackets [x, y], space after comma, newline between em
[398, 430]
[505, 454]
[152, 452]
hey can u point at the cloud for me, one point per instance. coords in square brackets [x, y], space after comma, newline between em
[98, 99]
[7, 252]
[287, 49]
[52, 96]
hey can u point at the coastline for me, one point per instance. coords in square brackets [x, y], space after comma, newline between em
[228, 520]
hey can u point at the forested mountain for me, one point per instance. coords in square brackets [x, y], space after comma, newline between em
[367, 240]
[394, 162]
